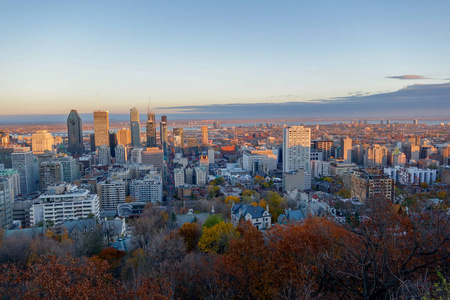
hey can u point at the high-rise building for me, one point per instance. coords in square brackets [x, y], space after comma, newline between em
[147, 190]
[111, 194]
[49, 173]
[211, 156]
[41, 141]
[151, 130]
[68, 168]
[296, 148]
[346, 150]
[112, 143]
[22, 161]
[5, 157]
[325, 148]
[75, 133]
[200, 176]
[104, 155]
[121, 154]
[124, 136]
[92, 142]
[178, 139]
[101, 128]
[135, 128]
[14, 179]
[375, 155]
[6, 202]
[153, 156]
[204, 135]
[192, 145]
[178, 176]
[163, 132]
[64, 202]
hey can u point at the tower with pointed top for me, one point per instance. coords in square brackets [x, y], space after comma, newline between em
[163, 132]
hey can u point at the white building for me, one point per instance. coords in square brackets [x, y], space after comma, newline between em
[104, 155]
[200, 176]
[266, 157]
[258, 216]
[178, 175]
[411, 175]
[211, 155]
[41, 141]
[136, 155]
[296, 148]
[121, 155]
[64, 202]
[346, 150]
[320, 168]
[6, 203]
[111, 194]
[147, 190]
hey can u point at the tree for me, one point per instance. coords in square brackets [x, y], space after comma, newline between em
[231, 199]
[212, 220]
[219, 180]
[190, 232]
[216, 238]
[247, 193]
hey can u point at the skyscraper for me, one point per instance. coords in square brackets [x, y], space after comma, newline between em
[163, 132]
[151, 130]
[22, 161]
[101, 128]
[204, 135]
[296, 148]
[135, 127]
[178, 139]
[124, 136]
[346, 150]
[75, 132]
[112, 143]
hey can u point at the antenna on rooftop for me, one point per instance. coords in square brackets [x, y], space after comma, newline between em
[98, 103]
[148, 107]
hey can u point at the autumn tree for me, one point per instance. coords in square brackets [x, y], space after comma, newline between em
[216, 238]
[212, 220]
[190, 232]
[232, 199]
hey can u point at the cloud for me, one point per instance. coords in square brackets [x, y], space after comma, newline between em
[418, 100]
[408, 77]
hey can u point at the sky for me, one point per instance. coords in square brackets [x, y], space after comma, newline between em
[57, 55]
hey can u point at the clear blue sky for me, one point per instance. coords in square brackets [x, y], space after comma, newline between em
[56, 55]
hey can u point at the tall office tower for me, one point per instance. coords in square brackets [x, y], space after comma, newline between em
[112, 143]
[296, 148]
[75, 133]
[178, 143]
[22, 160]
[151, 130]
[346, 150]
[124, 136]
[192, 145]
[6, 203]
[163, 132]
[121, 154]
[216, 125]
[111, 194]
[101, 128]
[49, 173]
[211, 156]
[104, 155]
[415, 122]
[92, 142]
[41, 141]
[135, 128]
[204, 135]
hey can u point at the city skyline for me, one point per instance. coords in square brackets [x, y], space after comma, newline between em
[214, 53]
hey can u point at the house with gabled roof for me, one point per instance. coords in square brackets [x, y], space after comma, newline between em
[258, 216]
